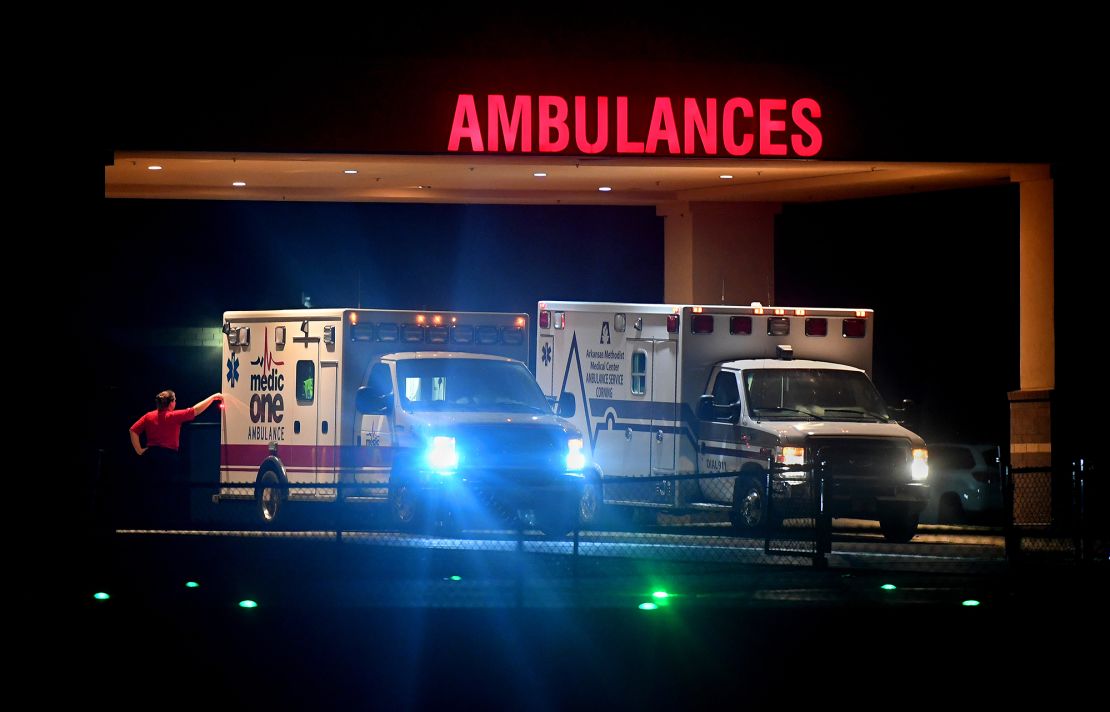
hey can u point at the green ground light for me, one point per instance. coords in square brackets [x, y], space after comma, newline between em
[248, 604]
[661, 594]
[889, 587]
[456, 578]
[101, 596]
[192, 584]
[971, 602]
[648, 606]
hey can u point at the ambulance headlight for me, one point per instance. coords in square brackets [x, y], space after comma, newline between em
[576, 459]
[919, 470]
[441, 455]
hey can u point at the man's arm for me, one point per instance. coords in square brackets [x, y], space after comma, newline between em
[203, 405]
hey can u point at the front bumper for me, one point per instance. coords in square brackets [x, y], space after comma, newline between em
[500, 491]
[846, 497]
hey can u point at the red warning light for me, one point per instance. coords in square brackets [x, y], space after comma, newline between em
[519, 322]
[437, 319]
[699, 323]
[740, 325]
[672, 323]
[420, 319]
[545, 319]
[855, 328]
[817, 327]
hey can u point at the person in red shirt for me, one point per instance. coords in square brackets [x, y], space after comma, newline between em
[162, 426]
[162, 500]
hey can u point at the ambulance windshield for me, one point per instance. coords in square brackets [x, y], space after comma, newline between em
[812, 394]
[470, 385]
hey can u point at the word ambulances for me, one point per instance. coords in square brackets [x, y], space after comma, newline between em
[722, 393]
[428, 411]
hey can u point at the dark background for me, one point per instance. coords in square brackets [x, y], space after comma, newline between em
[940, 269]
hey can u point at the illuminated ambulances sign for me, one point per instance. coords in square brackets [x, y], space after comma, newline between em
[737, 126]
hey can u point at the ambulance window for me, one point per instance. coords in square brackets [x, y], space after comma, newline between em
[639, 372]
[725, 390]
[306, 382]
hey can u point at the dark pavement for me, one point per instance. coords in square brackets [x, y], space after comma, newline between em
[342, 626]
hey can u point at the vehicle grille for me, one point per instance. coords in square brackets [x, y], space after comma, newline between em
[875, 461]
[511, 447]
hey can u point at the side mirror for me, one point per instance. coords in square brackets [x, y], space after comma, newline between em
[705, 408]
[567, 406]
[373, 403]
[901, 413]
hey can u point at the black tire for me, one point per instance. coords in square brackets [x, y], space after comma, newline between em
[898, 527]
[951, 510]
[750, 508]
[269, 497]
[593, 513]
[407, 508]
[559, 516]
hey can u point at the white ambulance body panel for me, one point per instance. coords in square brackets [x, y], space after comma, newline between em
[637, 373]
[290, 378]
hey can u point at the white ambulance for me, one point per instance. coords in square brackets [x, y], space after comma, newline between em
[435, 413]
[721, 393]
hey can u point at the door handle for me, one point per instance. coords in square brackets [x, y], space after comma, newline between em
[659, 436]
[628, 434]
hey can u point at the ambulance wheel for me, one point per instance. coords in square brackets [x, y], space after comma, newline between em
[269, 496]
[406, 510]
[592, 510]
[749, 505]
[898, 527]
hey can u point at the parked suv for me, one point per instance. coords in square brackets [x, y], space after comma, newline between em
[965, 483]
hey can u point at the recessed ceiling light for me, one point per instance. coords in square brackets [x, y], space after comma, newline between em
[351, 171]
[726, 177]
[604, 189]
[154, 168]
[540, 175]
[239, 184]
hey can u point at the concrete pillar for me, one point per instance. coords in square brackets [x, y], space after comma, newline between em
[1031, 407]
[719, 253]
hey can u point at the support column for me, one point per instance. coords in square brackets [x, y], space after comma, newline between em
[1031, 407]
[719, 253]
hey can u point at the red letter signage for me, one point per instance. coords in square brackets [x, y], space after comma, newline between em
[737, 126]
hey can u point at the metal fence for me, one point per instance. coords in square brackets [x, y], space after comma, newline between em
[1046, 515]
[1054, 514]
